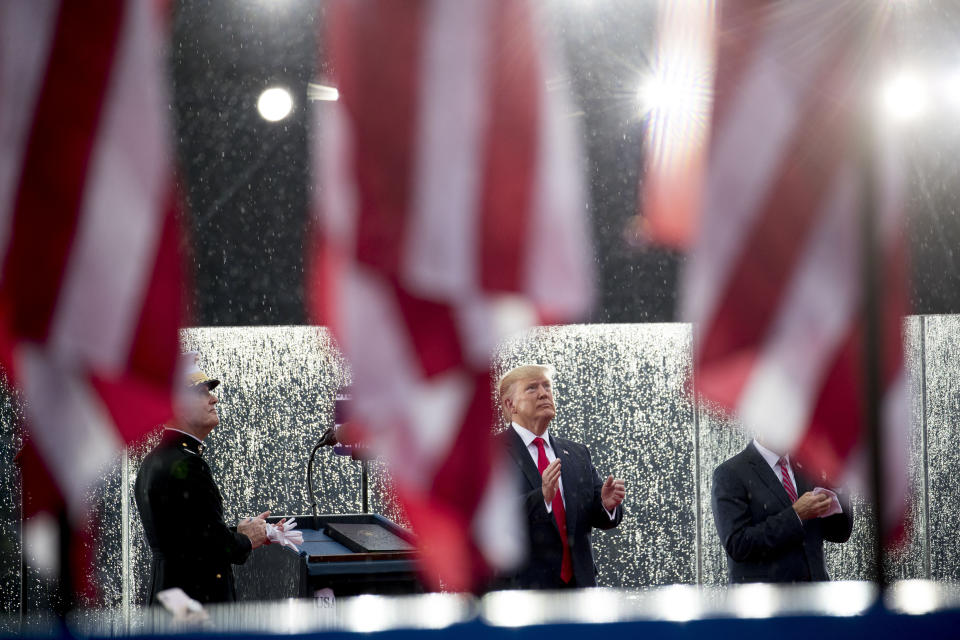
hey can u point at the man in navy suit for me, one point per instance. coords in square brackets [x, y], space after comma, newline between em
[771, 522]
[563, 497]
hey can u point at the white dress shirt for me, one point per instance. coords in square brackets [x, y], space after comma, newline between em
[773, 459]
[528, 439]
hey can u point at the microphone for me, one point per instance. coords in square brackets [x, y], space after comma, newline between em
[341, 409]
[340, 436]
[329, 437]
[334, 437]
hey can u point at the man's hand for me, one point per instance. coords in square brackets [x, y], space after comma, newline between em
[612, 493]
[811, 505]
[551, 481]
[255, 529]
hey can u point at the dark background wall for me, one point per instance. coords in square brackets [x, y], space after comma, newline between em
[247, 180]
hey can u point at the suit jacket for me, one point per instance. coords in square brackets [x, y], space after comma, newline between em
[182, 513]
[581, 492]
[764, 538]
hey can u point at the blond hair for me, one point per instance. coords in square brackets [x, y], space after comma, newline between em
[515, 375]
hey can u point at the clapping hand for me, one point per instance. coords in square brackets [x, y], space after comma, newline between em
[550, 481]
[612, 493]
[255, 529]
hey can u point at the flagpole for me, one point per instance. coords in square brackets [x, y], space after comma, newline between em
[872, 357]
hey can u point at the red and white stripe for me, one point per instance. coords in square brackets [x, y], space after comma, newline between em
[786, 481]
[774, 283]
[90, 277]
[452, 213]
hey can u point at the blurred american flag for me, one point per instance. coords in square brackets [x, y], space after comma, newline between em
[452, 213]
[90, 282]
[775, 281]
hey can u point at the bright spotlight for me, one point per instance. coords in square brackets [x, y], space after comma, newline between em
[679, 95]
[275, 104]
[905, 97]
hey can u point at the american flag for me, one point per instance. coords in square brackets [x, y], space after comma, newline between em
[90, 274]
[774, 282]
[452, 214]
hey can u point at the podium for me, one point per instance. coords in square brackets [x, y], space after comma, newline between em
[351, 554]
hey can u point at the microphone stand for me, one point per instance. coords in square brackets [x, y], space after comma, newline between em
[329, 437]
[324, 440]
[364, 484]
[362, 455]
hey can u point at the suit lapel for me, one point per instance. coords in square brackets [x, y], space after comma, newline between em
[568, 474]
[522, 457]
[803, 484]
[766, 474]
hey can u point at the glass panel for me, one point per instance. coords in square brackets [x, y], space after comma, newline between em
[942, 403]
[620, 391]
[10, 548]
[276, 394]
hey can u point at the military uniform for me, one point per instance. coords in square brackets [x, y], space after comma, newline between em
[182, 513]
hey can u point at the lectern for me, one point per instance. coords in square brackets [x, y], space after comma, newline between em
[348, 553]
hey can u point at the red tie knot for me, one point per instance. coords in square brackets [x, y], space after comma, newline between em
[785, 479]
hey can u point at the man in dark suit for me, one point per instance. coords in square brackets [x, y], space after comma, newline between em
[771, 521]
[181, 507]
[562, 494]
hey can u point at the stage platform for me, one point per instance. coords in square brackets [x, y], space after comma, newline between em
[847, 610]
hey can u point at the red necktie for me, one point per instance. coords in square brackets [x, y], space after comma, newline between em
[559, 513]
[787, 482]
